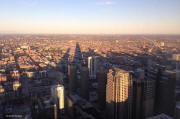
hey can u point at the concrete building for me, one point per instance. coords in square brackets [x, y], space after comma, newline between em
[101, 79]
[166, 92]
[119, 94]
[84, 83]
[45, 108]
[57, 92]
[78, 108]
[143, 95]
[165, 89]
[72, 78]
[177, 112]
[143, 98]
[176, 60]
[92, 67]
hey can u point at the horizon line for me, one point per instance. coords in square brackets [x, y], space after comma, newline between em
[88, 34]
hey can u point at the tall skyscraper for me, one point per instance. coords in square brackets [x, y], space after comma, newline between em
[165, 102]
[92, 67]
[177, 112]
[119, 94]
[165, 88]
[58, 97]
[143, 95]
[102, 79]
[84, 83]
[72, 68]
[57, 92]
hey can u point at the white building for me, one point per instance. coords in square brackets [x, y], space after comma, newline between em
[92, 67]
[57, 92]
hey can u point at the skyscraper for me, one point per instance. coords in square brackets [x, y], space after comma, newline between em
[60, 95]
[165, 102]
[119, 94]
[143, 95]
[102, 79]
[57, 92]
[92, 67]
[72, 78]
[165, 88]
[84, 83]
[143, 98]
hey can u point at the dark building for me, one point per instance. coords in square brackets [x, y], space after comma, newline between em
[143, 96]
[102, 79]
[72, 78]
[165, 89]
[166, 92]
[84, 83]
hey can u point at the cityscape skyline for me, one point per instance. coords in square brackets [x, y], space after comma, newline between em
[89, 76]
[90, 17]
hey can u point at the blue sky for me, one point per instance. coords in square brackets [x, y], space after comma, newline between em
[90, 16]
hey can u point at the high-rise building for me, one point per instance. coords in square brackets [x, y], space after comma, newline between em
[165, 89]
[57, 92]
[166, 92]
[143, 95]
[119, 94]
[102, 79]
[177, 112]
[143, 98]
[72, 68]
[84, 83]
[176, 60]
[92, 67]
[60, 94]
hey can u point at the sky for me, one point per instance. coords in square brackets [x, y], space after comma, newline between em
[90, 16]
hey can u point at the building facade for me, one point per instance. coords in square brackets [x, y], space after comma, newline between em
[84, 83]
[119, 94]
[102, 80]
[72, 68]
[92, 67]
